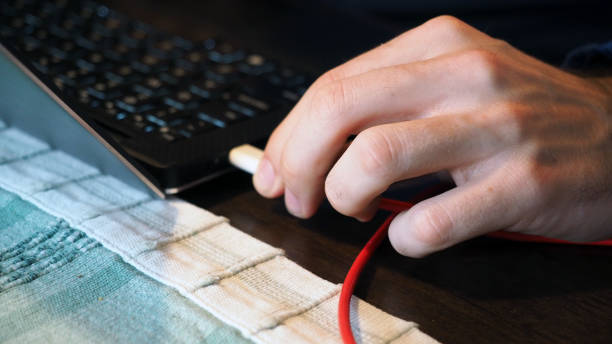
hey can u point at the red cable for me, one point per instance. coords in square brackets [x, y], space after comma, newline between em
[351, 279]
[366, 253]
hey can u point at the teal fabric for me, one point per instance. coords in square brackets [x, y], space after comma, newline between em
[57, 285]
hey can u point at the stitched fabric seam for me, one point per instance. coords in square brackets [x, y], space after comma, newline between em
[70, 181]
[27, 156]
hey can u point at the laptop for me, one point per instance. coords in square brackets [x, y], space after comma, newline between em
[157, 104]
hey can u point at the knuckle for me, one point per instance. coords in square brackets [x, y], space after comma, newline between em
[326, 90]
[330, 98]
[330, 101]
[485, 67]
[447, 24]
[513, 121]
[377, 153]
[513, 112]
[432, 225]
[501, 45]
[331, 75]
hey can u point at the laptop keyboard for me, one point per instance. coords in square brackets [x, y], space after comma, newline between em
[142, 84]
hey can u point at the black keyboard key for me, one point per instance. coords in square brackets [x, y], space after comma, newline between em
[87, 11]
[47, 64]
[156, 120]
[40, 34]
[162, 118]
[140, 125]
[136, 103]
[138, 36]
[74, 77]
[120, 52]
[94, 61]
[177, 75]
[105, 89]
[258, 104]
[123, 74]
[163, 48]
[256, 64]
[225, 53]
[29, 45]
[32, 20]
[108, 26]
[59, 32]
[46, 12]
[70, 23]
[167, 114]
[152, 86]
[149, 64]
[84, 98]
[223, 73]
[167, 134]
[92, 41]
[208, 44]
[121, 116]
[109, 108]
[242, 108]
[170, 47]
[192, 127]
[194, 60]
[218, 114]
[132, 124]
[59, 83]
[64, 49]
[208, 89]
[182, 100]
[182, 43]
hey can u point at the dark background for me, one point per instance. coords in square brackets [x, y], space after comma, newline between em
[321, 34]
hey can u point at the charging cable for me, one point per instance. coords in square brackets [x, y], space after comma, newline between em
[246, 158]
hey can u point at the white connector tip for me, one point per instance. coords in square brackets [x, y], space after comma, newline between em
[246, 157]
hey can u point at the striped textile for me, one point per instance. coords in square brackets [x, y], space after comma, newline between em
[58, 285]
[241, 281]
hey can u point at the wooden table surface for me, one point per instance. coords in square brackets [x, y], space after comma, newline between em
[483, 291]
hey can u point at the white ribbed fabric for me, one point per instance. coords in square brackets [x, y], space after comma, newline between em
[241, 280]
[43, 172]
[15, 145]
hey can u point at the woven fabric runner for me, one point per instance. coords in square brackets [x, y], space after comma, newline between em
[240, 280]
[57, 285]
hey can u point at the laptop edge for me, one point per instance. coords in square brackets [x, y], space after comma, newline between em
[28, 104]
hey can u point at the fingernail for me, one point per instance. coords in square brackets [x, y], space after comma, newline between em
[293, 203]
[264, 177]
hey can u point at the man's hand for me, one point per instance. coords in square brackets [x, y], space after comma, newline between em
[529, 146]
